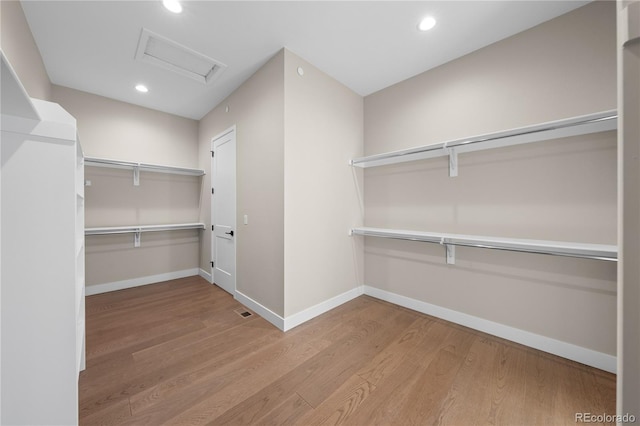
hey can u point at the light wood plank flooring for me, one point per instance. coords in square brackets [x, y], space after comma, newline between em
[179, 353]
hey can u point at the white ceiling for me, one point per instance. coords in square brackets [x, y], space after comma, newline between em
[366, 45]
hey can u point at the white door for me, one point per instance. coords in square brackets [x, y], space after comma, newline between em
[223, 210]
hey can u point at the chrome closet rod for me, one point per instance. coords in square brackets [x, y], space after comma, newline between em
[151, 167]
[436, 240]
[532, 131]
[563, 124]
[410, 151]
[535, 251]
[141, 228]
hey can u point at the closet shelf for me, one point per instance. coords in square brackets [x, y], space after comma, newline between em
[137, 230]
[105, 230]
[556, 248]
[137, 167]
[575, 126]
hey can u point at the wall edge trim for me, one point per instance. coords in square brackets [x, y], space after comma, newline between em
[570, 351]
[260, 309]
[292, 321]
[305, 315]
[90, 290]
[206, 275]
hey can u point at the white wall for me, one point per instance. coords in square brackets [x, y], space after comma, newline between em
[555, 190]
[322, 194]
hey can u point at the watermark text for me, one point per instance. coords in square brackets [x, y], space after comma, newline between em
[604, 418]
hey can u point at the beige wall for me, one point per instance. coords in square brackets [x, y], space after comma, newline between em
[114, 129]
[556, 190]
[113, 258]
[628, 390]
[117, 130]
[20, 48]
[295, 136]
[257, 111]
[323, 130]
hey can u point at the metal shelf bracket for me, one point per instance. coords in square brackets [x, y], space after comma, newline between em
[136, 237]
[453, 162]
[136, 175]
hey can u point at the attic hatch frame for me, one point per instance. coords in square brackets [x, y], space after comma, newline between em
[172, 62]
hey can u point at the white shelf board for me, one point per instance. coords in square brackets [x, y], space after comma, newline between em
[15, 100]
[147, 167]
[141, 228]
[557, 248]
[575, 126]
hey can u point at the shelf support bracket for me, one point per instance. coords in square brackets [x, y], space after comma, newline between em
[453, 162]
[136, 175]
[451, 254]
[450, 251]
[136, 238]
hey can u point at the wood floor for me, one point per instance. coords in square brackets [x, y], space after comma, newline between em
[180, 353]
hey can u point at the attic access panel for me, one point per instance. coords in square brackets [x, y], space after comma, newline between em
[170, 55]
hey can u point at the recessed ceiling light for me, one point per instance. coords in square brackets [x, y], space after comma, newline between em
[427, 23]
[172, 5]
[142, 88]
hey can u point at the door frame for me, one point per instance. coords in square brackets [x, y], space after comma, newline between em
[232, 130]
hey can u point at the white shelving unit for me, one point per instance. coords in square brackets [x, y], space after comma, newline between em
[105, 230]
[449, 241]
[574, 126]
[42, 259]
[137, 167]
[137, 230]
[80, 267]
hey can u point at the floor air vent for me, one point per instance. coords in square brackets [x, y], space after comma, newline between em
[243, 314]
[162, 52]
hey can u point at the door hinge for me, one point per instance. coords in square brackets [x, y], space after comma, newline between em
[212, 190]
[213, 154]
[212, 227]
[213, 264]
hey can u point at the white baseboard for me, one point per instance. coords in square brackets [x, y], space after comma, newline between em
[261, 310]
[295, 320]
[570, 351]
[206, 275]
[303, 316]
[137, 282]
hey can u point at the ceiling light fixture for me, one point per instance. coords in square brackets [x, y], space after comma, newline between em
[141, 88]
[172, 6]
[427, 23]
